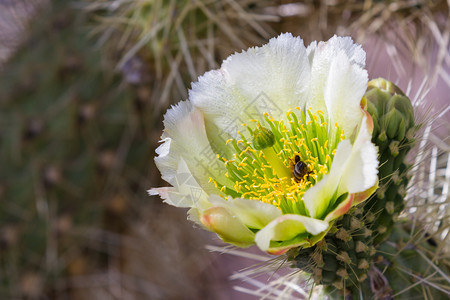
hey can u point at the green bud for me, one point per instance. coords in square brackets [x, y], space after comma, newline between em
[403, 104]
[392, 119]
[384, 85]
[333, 229]
[376, 126]
[263, 138]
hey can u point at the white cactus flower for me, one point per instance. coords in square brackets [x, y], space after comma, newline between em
[274, 146]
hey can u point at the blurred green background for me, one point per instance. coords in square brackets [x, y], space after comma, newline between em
[83, 88]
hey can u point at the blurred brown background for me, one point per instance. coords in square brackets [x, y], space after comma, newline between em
[83, 88]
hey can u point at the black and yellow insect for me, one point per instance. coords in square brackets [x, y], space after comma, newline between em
[300, 169]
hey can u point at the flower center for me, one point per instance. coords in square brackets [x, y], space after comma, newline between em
[282, 161]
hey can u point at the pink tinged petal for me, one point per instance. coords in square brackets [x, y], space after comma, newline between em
[276, 251]
[351, 200]
[360, 197]
[341, 209]
[369, 121]
[254, 214]
[227, 226]
[288, 227]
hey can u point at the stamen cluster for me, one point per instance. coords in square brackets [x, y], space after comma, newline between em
[267, 174]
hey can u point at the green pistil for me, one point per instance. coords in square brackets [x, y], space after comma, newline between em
[277, 164]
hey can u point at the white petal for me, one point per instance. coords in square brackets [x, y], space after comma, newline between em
[253, 213]
[344, 89]
[220, 102]
[186, 192]
[279, 69]
[361, 169]
[185, 137]
[272, 78]
[194, 216]
[311, 50]
[288, 227]
[323, 55]
[353, 51]
[166, 161]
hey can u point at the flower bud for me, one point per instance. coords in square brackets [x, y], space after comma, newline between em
[403, 104]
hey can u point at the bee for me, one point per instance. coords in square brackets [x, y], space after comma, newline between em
[300, 169]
